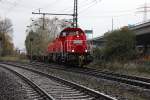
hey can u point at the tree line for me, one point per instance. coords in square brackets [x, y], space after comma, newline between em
[40, 33]
[120, 46]
[6, 30]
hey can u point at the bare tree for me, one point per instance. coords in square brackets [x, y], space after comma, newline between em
[6, 46]
[41, 37]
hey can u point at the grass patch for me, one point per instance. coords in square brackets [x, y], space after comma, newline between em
[14, 58]
[127, 68]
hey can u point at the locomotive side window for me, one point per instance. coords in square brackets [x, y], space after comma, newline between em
[77, 33]
[70, 33]
[64, 34]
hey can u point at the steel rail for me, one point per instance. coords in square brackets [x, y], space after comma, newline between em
[97, 95]
[39, 90]
[127, 79]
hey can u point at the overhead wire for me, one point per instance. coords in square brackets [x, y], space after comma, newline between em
[50, 5]
[82, 4]
[87, 7]
[12, 6]
[121, 13]
[90, 5]
[108, 16]
[70, 8]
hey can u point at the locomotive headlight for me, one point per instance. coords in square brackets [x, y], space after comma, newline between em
[86, 50]
[72, 50]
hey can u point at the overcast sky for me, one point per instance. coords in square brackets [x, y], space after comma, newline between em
[93, 14]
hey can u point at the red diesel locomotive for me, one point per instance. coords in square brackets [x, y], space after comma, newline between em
[70, 47]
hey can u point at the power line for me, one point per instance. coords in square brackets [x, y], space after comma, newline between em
[106, 16]
[75, 14]
[83, 4]
[52, 14]
[14, 5]
[85, 8]
[39, 13]
[69, 8]
[50, 5]
[144, 10]
[89, 6]
[10, 6]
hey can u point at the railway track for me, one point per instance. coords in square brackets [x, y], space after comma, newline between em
[34, 92]
[57, 88]
[127, 79]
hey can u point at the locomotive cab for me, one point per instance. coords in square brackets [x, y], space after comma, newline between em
[75, 46]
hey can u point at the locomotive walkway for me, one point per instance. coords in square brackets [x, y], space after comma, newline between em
[57, 88]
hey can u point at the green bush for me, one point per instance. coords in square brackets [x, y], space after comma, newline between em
[120, 45]
[98, 53]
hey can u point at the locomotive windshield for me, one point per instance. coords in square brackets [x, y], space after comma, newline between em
[70, 33]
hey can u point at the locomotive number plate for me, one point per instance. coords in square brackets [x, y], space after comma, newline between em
[77, 41]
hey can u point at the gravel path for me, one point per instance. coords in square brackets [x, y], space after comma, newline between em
[11, 87]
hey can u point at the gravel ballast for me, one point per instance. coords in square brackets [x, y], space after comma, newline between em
[119, 90]
[11, 87]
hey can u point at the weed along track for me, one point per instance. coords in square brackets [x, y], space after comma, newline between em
[57, 88]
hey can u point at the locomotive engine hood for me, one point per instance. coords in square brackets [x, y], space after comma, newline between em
[76, 41]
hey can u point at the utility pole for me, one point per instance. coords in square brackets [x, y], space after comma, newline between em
[144, 10]
[112, 24]
[42, 18]
[39, 13]
[75, 14]
[43, 21]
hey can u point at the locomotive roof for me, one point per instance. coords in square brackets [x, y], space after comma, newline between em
[72, 29]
